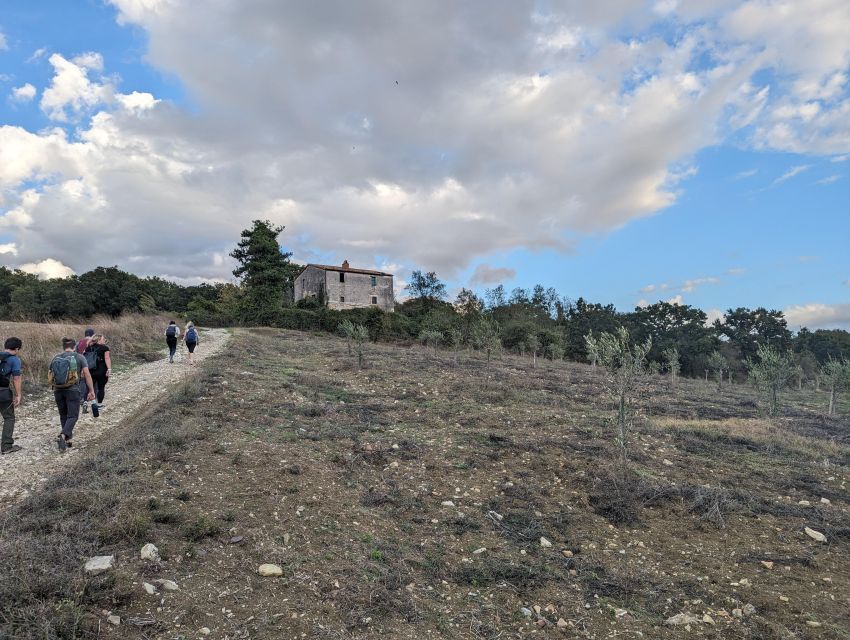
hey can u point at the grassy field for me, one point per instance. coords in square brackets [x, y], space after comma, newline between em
[131, 338]
[407, 500]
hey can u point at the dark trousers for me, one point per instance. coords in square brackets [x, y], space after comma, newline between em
[172, 347]
[99, 385]
[68, 401]
[7, 410]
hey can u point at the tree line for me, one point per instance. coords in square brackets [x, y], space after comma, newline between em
[537, 322]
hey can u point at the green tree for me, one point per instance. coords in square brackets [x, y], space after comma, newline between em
[717, 363]
[426, 287]
[770, 371]
[625, 363]
[671, 363]
[265, 271]
[836, 375]
[750, 328]
[431, 337]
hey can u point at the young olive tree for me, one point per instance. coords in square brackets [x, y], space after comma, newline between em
[431, 337]
[625, 365]
[454, 337]
[486, 336]
[592, 346]
[358, 334]
[718, 363]
[672, 364]
[532, 343]
[836, 375]
[771, 373]
[346, 330]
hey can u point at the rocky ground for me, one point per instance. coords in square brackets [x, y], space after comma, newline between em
[285, 494]
[130, 389]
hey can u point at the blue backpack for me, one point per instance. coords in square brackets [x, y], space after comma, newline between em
[191, 335]
[63, 372]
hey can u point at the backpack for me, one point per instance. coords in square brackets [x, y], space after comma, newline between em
[191, 335]
[63, 372]
[171, 331]
[82, 345]
[5, 370]
[91, 355]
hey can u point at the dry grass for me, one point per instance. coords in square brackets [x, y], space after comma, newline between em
[130, 337]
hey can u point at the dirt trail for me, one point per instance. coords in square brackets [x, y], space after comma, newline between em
[38, 420]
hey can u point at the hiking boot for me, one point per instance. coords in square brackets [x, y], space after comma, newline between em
[61, 443]
[11, 449]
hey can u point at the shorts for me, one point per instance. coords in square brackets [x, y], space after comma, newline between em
[191, 346]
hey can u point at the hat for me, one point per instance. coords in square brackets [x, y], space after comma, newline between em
[89, 333]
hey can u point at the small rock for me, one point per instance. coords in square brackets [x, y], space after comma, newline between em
[815, 535]
[666, 462]
[541, 623]
[394, 464]
[478, 552]
[99, 564]
[567, 553]
[448, 503]
[537, 609]
[744, 582]
[151, 590]
[767, 564]
[749, 609]
[812, 623]
[804, 503]
[150, 552]
[621, 613]
[236, 539]
[526, 612]
[680, 619]
[737, 613]
[168, 585]
[270, 570]
[204, 631]
[562, 624]
[286, 538]
[545, 543]
[708, 619]
[114, 620]
[783, 598]
[825, 501]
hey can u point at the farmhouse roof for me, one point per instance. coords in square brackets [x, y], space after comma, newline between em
[347, 269]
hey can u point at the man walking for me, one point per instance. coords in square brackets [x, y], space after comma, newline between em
[10, 392]
[81, 347]
[66, 371]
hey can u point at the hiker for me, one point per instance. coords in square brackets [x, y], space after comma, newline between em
[99, 361]
[66, 371]
[10, 392]
[190, 338]
[172, 332]
[83, 343]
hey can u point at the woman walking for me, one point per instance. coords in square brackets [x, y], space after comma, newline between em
[190, 339]
[172, 332]
[102, 369]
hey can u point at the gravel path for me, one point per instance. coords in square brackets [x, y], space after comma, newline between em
[37, 423]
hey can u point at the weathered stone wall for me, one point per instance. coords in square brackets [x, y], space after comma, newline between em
[358, 291]
[309, 283]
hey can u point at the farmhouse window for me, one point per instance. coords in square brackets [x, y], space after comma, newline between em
[341, 276]
[374, 299]
[374, 281]
[342, 298]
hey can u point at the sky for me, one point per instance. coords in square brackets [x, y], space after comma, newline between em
[693, 151]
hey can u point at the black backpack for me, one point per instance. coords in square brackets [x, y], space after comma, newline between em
[92, 356]
[171, 331]
[5, 370]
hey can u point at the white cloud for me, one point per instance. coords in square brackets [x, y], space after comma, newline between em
[4, 46]
[712, 315]
[677, 299]
[842, 158]
[691, 285]
[37, 54]
[648, 288]
[829, 179]
[485, 274]
[24, 93]
[48, 268]
[386, 136]
[746, 174]
[10, 248]
[736, 271]
[71, 90]
[793, 171]
[818, 316]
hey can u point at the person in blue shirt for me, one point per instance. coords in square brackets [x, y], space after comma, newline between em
[10, 392]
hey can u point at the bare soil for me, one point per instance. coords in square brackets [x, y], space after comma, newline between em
[409, 499]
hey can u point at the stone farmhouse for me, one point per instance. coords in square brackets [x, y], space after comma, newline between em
[345, 287]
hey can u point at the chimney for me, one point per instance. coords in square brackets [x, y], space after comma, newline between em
[345, 264]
